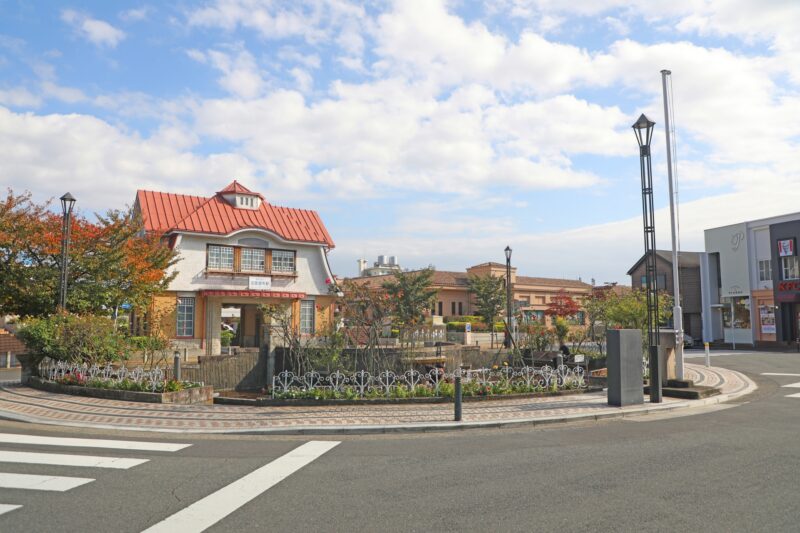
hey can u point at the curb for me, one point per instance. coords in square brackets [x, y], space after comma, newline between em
[413, 428]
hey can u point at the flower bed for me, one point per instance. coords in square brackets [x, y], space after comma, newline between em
[435, 385]
[181, 393]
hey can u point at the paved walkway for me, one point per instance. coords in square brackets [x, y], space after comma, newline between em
[31, 405]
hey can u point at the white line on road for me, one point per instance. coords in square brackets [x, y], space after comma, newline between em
[5, 508]
[777, 374]
[32, 482]
[795, 385]
[206, 512]
[10, 438]
[62, 459]
[796, 395]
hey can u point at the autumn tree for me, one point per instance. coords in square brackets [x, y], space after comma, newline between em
[562, 305]
[490, 297]
[111, 261]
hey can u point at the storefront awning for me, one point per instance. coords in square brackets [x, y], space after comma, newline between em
[255, 294]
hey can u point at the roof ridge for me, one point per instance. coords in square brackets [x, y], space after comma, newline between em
[203, 204]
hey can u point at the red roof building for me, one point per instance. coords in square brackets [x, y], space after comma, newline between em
[238, 250]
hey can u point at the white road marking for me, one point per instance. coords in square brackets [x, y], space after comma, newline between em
[792, 385]
[10, 438]
[207, 511]
[796, 395]
[32, 482]
[61, 459]
[777, 374]
[5, 508]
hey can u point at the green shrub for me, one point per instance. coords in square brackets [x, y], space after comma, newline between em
[226, 337]
[75, 338]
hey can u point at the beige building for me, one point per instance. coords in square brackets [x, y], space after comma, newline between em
[531, 295]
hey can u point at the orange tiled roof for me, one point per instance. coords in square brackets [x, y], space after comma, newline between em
[166, 212]
[10, 343]
[443, 278]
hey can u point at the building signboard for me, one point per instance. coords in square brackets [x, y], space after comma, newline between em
[767, 313]
[786, 248]
[259, 283]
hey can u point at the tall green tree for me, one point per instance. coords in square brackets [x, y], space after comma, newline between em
[411, 295]
[111, 261]
[490, 297]
[629, 310]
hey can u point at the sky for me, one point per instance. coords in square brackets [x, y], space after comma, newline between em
[436, 131]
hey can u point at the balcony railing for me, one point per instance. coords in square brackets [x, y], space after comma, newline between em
[236, 272]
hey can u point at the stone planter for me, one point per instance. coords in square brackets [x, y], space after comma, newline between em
[184, 397]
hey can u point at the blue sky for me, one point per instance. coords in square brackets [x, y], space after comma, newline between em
[436, 131]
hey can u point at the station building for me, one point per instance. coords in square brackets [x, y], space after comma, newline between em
[236, 249]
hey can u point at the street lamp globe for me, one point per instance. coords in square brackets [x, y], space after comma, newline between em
[643, 128]
[67, 201]
[508, 253]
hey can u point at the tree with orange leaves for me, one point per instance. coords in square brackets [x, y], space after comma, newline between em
[562, 305]
[112, 261]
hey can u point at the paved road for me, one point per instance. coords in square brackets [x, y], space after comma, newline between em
[729, 468]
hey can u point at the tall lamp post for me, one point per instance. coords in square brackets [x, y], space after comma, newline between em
[508, 297]
[67, 202]
[643, 128]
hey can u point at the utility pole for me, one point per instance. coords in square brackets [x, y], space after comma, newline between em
[677, 310]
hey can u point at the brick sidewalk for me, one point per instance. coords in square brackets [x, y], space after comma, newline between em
[31, 405]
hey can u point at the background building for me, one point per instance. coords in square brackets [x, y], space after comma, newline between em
[386, 264]
[737, 273]
[689, 278]
[531, 294]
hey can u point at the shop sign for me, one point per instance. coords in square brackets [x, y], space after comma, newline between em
[789, 286]
[767, 313]
[259, 283]
[786, 247]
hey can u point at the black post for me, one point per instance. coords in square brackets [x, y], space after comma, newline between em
[507, 341]
[457, 404]
[176, 366]
[643, 128]
[67, 202]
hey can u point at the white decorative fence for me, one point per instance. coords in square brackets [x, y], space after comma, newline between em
[386, 383]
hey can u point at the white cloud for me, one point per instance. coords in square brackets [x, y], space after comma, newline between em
[241, 75]
[19, 97]
[103, 165]
[135, 14]
[98, 32]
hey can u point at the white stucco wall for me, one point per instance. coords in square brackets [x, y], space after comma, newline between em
[312, 270]
[731, 242]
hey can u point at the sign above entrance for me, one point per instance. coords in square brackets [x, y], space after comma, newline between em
[259, 283]
[786, 247]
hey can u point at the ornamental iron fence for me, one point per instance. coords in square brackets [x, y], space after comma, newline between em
[152, 379]
[363, 384]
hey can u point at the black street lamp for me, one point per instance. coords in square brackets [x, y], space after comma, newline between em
[643, 128]
[67, 202]
[507, 342]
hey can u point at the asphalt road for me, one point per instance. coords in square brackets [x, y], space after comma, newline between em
[723, 468]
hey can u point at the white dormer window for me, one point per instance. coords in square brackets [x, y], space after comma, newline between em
[246, 201]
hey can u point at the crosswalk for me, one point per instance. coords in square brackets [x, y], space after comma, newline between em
[11, 454]
[795, 385]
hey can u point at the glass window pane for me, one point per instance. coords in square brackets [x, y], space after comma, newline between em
[253, 259]
[220, 257]
[283, 261]
[307, 316]
[185, 317]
